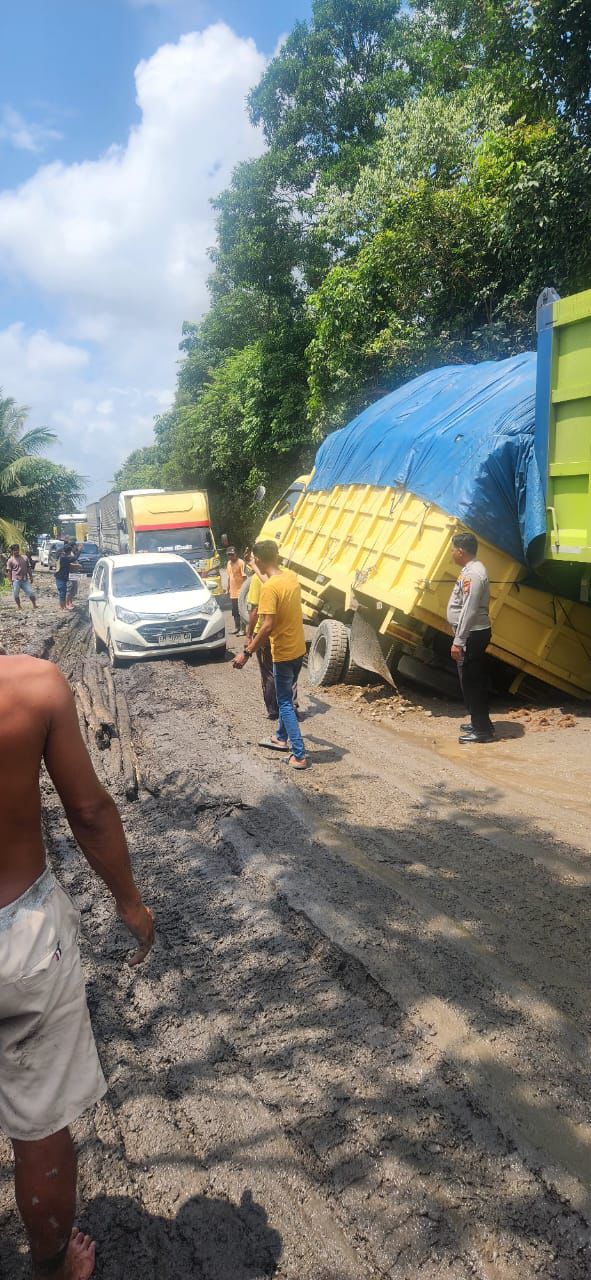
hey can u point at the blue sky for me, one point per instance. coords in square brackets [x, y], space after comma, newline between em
[119, 120]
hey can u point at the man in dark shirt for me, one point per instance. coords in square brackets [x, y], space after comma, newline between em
[66, 556]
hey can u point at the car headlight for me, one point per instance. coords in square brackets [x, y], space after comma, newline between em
[125, 615]
[208, 608]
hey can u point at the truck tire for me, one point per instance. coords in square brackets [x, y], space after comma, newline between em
[354, 674]
[328, 653]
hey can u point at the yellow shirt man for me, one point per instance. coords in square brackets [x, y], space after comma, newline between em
[280, 597]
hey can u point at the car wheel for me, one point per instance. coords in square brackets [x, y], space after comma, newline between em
[114, 659]
[328, 653]
[99, 645]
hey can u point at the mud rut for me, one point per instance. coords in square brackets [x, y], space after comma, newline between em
[291, 1093]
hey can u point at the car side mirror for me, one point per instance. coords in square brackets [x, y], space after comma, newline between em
[95, 596]
[260, 493]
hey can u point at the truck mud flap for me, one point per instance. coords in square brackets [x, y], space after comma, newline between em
[365, 649]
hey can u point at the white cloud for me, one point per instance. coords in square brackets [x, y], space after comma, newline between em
[120, 244]
[25, 135]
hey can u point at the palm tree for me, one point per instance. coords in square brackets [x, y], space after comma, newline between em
[21, 471]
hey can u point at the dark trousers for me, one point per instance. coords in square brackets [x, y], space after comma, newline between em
[473, 680]
[238, 623]
[265, 662]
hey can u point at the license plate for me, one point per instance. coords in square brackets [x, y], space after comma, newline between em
[179, 637]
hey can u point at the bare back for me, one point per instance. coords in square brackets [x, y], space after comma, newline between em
[38, 721]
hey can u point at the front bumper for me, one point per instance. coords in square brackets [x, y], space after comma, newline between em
[142, 641]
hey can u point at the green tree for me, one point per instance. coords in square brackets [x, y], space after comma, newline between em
[322, 98]
[31, 487]
[142, 469]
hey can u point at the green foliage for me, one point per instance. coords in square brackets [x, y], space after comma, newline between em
[32, 489]
[142, 469]
[428, 172]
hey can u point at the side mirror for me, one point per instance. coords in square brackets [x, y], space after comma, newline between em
[96, 596]
[225, 540]
[260, 493]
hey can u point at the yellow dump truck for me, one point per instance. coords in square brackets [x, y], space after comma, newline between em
[178, 522]
[374, 559]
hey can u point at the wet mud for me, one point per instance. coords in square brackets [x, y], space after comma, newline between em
[360, 1046]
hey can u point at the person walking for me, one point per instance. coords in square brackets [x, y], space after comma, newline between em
[20, 574]
[236, 570]
[282, 623]
[49, 1067]
[467, 614]
[65, 559]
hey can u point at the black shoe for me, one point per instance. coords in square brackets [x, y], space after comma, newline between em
[469, 728]
[471, 736]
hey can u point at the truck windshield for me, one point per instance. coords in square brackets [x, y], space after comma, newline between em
[198, 539]
[287, 502]
[154, 579]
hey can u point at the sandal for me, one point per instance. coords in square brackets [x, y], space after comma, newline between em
[294, 763]
[274, 744]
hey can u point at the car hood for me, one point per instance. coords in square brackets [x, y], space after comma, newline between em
[165, 604]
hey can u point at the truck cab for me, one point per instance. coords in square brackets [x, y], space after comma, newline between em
[179, 523]
[278, 523]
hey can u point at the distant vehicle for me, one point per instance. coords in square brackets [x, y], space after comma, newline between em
[72, 525]
[48, 551]
[278, 522]
[107, 520]
[146, 604]
[178, 522]
[88, 558]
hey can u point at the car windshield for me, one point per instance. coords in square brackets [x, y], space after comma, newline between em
[89, 547]
[197, 539]
[154, 579]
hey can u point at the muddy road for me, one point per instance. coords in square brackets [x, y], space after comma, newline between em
[361, 1046]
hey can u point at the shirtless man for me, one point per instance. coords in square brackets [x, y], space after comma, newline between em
[49, 1067]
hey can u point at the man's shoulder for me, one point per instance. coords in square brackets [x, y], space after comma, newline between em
[30, 672]
[479, 569]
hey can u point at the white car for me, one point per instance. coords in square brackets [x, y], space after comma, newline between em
[147, 604]
[49, 550]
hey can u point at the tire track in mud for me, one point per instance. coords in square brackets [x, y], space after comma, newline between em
[274, 1108]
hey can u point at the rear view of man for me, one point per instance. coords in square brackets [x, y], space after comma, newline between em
[281, 622]
[20, 574]
[467, 614]
[65, 559]
[49, 1068]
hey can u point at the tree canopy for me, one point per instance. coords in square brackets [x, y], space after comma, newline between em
[427, 173]
[32, 489]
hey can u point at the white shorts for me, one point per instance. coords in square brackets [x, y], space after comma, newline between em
[49, 1067]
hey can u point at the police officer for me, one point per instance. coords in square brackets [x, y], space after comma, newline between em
[467, 614]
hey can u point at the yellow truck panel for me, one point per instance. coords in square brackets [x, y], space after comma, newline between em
[563, 424]
[389, 552]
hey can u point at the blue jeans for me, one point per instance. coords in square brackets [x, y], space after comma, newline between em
[21, 585]
[285, 675]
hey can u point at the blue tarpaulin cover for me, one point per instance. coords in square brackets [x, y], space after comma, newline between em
[461, 437]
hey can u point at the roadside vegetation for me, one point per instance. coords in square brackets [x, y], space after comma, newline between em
[32, 489]
[427, 173]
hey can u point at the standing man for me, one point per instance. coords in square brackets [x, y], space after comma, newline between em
[281, 622]
[236, 570]
[263, 653]
[49, 1067]
[20, 573]
[467, 614]
[65, 558]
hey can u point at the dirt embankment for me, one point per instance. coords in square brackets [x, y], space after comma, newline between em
[359, 1048]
